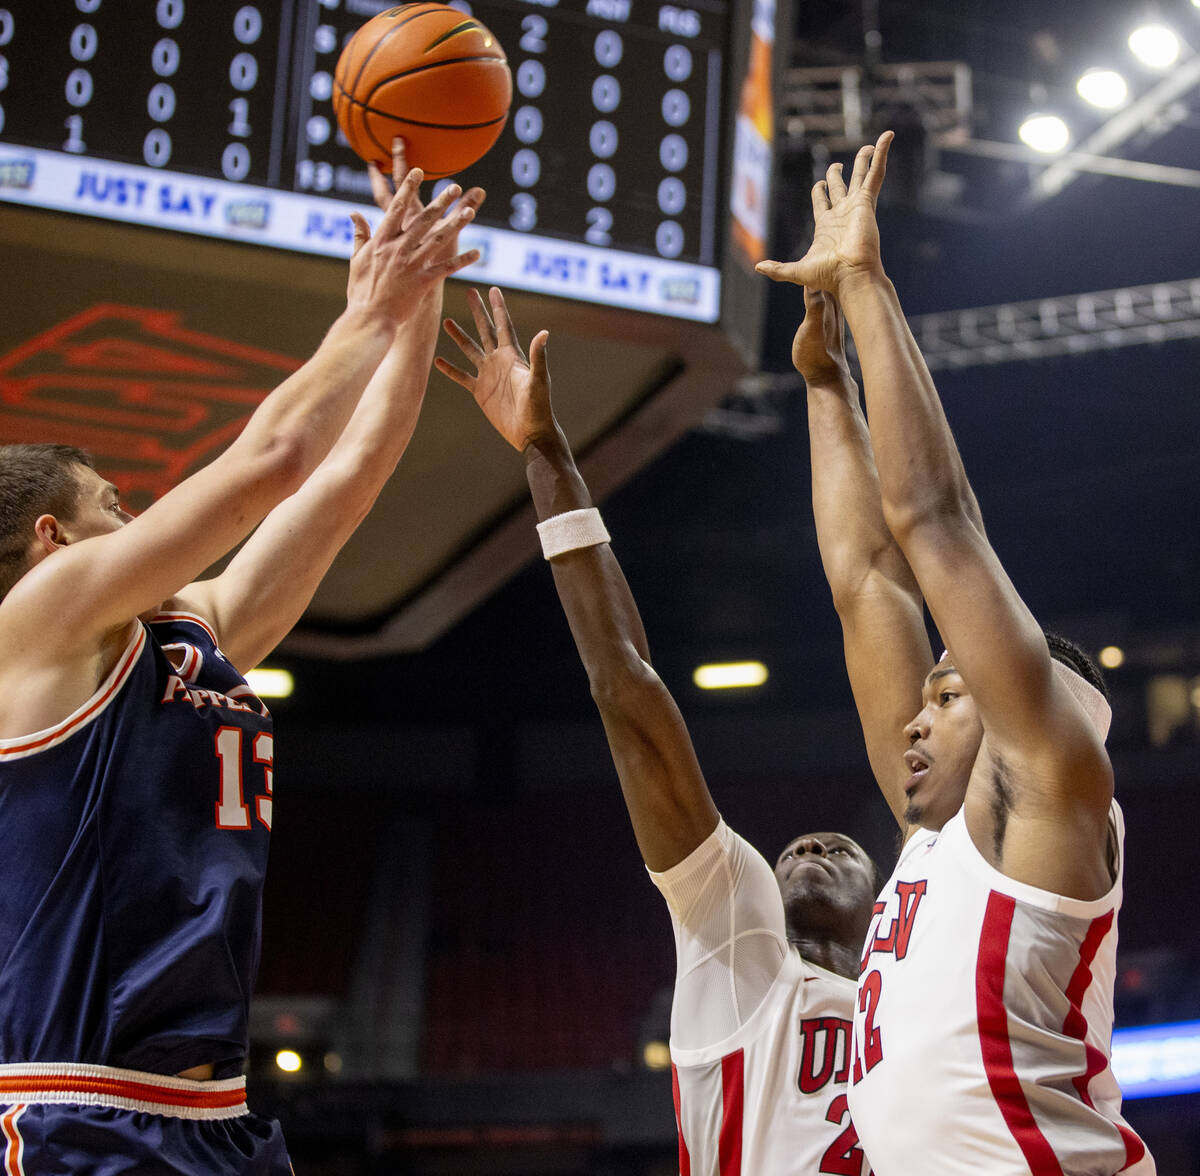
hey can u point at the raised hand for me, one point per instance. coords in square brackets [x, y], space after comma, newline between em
[514, 392]
[845, 244]
[819, 346]
[414, 246]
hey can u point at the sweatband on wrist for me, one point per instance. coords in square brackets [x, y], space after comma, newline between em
[571, 530]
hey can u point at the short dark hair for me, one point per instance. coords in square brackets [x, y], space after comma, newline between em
[34, 480]
[1066, 651]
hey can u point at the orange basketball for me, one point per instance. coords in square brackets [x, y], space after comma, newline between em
[428, 73]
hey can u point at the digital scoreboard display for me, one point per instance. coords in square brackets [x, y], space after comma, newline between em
[215, 117]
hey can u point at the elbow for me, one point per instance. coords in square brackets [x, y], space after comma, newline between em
[280, 466]
[937, 509]
[624, 684]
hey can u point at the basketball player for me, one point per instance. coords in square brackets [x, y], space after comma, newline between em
[135, 761]
[766, 961]
[988, 968]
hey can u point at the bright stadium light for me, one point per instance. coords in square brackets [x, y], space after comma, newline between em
[270, 683]
[1103, 88]
[1046, 133]
[726, 675]
[1155, 46]
[288, 1060]
[1112, 656]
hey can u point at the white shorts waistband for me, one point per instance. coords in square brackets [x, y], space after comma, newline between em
[131, 1090]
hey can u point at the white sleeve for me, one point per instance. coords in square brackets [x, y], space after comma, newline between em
[730, 937]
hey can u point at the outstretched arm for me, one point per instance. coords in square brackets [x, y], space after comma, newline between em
[875, 593]
[255, 602]
[95, 585]
[668, 801]
[1056, 770]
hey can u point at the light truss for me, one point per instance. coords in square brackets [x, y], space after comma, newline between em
[834, 107]
[953, 340]
[1071, 324]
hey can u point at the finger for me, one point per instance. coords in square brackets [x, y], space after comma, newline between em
[483, 321]
[874, 178]
[459, 261]
[473, 198]
[779, 271]
[381, 190]
[399, 160]
[820, 198]
[466, 344]
[506, 335]
[394, 219]
[362, 232]
[813, 297]
[455, 373]
[537, 356]
[427, 218]
[834, 183]
[862, 164]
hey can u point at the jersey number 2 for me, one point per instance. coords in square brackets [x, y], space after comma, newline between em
[232, 810]
[843, 1157]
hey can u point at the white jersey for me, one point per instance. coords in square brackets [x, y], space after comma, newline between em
[983, 1024]
[760, 1039]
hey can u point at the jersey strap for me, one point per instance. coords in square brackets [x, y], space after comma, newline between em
[129, 1090]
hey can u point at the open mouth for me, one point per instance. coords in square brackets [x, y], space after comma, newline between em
[917, 765]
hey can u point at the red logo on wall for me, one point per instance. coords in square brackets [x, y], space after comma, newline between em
[150, 400]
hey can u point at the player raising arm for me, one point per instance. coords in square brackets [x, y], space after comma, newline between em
[989, 967]
[765, 961]
[135, 761]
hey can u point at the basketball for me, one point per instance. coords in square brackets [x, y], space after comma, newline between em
[430, 74]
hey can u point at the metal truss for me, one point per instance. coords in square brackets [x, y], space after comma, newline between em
[834, 107]
[952, 340]
[1068, 325]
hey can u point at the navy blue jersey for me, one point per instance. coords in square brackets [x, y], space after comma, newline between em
[135, 840]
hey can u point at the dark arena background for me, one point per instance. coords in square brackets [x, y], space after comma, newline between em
[465, 968]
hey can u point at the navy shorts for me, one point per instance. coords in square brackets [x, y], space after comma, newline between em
[64, 1120]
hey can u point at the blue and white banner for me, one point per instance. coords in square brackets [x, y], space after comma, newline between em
[314, 224]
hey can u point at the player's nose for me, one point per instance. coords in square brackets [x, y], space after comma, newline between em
[811, 845]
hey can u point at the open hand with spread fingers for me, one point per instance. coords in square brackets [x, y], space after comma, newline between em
[514, 392]
[415, 245]
[845, 246]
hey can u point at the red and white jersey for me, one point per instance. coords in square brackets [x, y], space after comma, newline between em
[983, 1023]
[760, 1039]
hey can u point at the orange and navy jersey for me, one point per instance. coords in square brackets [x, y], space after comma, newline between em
[130, 894]
[983, 1023]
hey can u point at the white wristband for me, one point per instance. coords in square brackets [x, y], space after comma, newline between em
[571, 530]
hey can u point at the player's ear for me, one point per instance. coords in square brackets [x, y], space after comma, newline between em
[48, 534]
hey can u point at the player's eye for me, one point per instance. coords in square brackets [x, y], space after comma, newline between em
[839, 849]
[946, 696]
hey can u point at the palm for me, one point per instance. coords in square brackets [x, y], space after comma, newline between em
[514, 392]
[516, 404]
[845, 241]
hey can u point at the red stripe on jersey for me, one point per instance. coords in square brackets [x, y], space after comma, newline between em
[1075, 1025]
[13, 1157]
[31, 1085]
[993, 1038]
[733, 1092]
[65, 728]
[685, 1160]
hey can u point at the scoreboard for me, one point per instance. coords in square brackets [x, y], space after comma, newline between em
[215, 117]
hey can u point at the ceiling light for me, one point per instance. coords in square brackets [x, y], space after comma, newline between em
[270, 683]
[1104, 88]
[288, 1060]
[657, 1055]
[1044, 132]
[724, 675]
[1154, 46]
[1112, 656]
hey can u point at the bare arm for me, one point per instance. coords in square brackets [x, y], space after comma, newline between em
[262, 593]
[668, 801]
[1059, 774]
[875, 593]
[85, 590]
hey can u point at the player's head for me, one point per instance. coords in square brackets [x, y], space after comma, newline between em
[945, 736]
[47, 480]
[828, 883]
